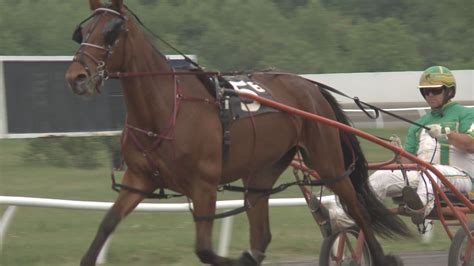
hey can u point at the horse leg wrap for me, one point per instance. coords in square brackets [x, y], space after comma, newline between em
[251, 258]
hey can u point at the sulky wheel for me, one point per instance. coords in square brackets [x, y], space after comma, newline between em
[342, 248]
[461, 252]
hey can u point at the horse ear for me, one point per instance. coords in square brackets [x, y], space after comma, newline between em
[118, 4]
[94, 4]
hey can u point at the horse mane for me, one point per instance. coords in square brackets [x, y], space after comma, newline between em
[384, 223]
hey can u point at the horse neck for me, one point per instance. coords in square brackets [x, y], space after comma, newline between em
[149, 99]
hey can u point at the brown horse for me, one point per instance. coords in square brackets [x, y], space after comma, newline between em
[173, 139]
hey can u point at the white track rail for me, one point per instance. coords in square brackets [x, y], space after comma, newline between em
[226, 225]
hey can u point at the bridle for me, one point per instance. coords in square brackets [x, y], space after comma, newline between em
[101, 65]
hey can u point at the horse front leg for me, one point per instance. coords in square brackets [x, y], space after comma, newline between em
[124, 204]
[204, 204]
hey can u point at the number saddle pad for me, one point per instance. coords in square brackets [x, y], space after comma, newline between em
[246, 107]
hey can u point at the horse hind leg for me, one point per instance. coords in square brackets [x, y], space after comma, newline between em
[260, 234]
[348, 197]
[258, 215]
[331, 167]
[124, 204]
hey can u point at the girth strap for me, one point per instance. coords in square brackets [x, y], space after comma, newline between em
[222, 214]
[266, 192]
[282, 187]
[150, 195]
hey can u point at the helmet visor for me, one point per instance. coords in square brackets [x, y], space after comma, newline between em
[431, 86]
[432, 90]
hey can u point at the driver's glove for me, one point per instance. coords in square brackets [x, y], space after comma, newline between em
[437, 132]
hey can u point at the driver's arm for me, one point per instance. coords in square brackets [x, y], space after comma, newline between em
[461, 141]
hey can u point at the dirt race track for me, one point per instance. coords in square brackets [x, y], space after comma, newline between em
[431, 258]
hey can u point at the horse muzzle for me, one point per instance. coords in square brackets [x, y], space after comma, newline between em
[83, 84]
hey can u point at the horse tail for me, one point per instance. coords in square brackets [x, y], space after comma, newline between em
[383, 221]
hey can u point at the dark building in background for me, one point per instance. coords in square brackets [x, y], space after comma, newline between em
[38, 100]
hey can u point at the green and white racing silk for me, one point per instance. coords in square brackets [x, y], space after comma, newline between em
[457, 118]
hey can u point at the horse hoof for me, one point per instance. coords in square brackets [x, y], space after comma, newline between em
[250, 259]
[246, 260]
[223, 262]
[392, 260]
[87, 263]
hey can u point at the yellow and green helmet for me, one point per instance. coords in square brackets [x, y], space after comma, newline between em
[436, 77]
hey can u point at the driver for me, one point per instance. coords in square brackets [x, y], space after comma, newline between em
[448, 145]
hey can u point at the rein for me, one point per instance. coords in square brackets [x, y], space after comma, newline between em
[161, 39]
[361, 105]
[103, 75]
[119, 75]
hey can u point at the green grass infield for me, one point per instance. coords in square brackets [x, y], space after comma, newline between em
[50, 168]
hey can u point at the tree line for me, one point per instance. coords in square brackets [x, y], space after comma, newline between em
[300, 36]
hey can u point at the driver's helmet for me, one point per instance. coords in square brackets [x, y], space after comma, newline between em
[436, 77]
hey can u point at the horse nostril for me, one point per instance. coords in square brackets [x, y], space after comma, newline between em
[81, 78]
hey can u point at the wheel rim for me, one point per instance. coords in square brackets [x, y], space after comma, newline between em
[344, 251]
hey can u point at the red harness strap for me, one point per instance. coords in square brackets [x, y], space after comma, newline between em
[146, 152]
[168, 133]
[119, 75]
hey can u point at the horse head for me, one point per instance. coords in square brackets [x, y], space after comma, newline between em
[102, 38]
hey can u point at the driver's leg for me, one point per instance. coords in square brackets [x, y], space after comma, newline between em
[385, 183]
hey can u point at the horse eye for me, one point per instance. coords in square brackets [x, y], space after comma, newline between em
[77, 35]
[112, 30]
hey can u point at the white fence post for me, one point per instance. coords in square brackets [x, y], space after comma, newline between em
[225, 236]
[4, 223]
[3, 104]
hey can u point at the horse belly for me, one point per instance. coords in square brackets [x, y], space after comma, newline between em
[258, 144]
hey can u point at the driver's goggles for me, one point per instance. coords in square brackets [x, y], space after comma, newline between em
[433, 91]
